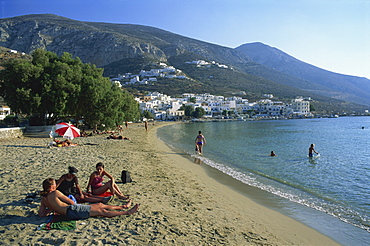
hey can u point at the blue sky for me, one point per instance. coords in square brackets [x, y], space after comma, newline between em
[331, 34]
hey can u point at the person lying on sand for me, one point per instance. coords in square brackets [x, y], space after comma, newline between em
[68, 185]
[64, 143]
[54, 201]
[112, 136]
[67, 143]
[97, 186]
[83, 133]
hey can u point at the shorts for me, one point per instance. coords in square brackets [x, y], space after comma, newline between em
[310, 155]
[200, 143]
[78, 212]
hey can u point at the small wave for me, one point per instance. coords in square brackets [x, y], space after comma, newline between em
[290, 193]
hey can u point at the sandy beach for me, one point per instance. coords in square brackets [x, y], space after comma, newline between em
[179, 203]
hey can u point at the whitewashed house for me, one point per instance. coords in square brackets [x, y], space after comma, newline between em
[135, 79]
[301, 107]
[173, 114]
[4, 111]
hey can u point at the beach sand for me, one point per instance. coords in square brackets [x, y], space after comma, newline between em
[179, 203]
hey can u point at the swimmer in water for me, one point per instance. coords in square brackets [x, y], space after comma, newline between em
[312, 150]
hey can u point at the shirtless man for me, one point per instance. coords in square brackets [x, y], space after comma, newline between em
[54, 200]
[312, 149]
[200, 140]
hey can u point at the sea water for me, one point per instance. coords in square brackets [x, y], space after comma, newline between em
[334, 183]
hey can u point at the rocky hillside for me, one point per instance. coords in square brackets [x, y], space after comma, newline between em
[119, 48]
[344, 87]
[103, 43]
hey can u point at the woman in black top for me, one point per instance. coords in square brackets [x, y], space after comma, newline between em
[68, 185]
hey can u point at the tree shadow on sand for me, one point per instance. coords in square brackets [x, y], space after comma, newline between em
[25, 146]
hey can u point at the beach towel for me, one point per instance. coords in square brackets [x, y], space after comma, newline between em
[105, 194]
[58, 222]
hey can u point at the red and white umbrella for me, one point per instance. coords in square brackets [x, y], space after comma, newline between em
[67, 130]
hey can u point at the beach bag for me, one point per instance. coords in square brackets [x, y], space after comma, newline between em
[125, 177]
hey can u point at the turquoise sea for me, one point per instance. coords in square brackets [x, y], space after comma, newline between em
[329, 192]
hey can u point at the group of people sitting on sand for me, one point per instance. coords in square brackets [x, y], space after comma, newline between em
[67, 142]
[64, 196]
[84, 133]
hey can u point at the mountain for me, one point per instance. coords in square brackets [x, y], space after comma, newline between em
[103, 43]
[343, 87]
[120, 48]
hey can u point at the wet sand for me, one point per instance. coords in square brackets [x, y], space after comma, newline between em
[180, 203]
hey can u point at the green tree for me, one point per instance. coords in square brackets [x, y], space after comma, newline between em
[62, 86]
[193, 100]
[188, 110]
[199, 112]
[147, 114]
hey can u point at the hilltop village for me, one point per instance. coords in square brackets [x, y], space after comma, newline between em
[163, 107]
[164, 71]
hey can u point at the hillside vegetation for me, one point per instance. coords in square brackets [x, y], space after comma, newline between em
[121, 48]
[317, 80]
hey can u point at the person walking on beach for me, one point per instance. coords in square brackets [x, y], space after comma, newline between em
[311, 150]
[200, 140]
[146, 125]
[54, 201]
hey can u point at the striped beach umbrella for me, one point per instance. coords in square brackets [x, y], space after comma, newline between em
[67, 130]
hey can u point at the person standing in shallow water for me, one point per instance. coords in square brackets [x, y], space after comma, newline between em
[311, 150]
[200, 140]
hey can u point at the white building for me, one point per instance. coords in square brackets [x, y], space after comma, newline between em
[268, 95]
[300, 107]
[165, 107]
[174, 114]
[4, 111]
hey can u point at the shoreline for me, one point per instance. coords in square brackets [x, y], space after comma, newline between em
[328, 225]
[293, 229]
[223, 171]
[180, 203]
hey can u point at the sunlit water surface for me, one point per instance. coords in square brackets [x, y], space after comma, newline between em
[336, 182]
